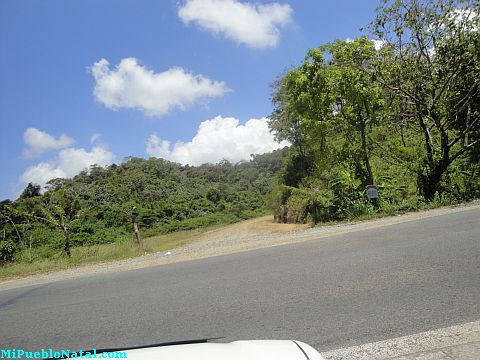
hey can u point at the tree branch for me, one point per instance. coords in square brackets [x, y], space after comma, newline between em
[463, 150]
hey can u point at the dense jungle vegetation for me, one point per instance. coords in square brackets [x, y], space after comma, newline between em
[401, 112]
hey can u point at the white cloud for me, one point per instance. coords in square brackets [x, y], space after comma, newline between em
[255, 25]
[378, 44]
[42, 173]
[217, 139]
[38, 142]
[131, 85]
[95, 137]
[69, 162]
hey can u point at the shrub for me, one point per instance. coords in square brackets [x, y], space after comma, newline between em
[7, 251]
[299, 205]
[289, 204]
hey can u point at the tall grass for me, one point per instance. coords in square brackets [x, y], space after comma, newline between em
[44, 259]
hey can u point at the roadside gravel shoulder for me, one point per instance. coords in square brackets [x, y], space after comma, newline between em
[248, 235]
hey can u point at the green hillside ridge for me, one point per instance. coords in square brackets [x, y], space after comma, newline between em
[97, 206]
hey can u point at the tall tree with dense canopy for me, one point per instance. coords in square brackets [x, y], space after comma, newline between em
[431, 69]
[329, 103]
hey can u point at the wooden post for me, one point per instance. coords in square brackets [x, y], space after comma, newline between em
[66, 235]
[138, 238]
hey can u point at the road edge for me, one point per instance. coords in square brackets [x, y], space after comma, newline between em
[463, 338]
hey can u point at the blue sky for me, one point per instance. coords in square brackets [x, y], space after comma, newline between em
[95, 81]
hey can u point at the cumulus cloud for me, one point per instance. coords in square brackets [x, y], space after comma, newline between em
[131, 85]
[38, 142]
[217, 139]
[69, 162]
[255, 25]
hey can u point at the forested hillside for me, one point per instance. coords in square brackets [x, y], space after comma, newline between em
[98, 205]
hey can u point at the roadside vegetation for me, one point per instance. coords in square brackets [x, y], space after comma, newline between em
[34, 261]
[401, 112]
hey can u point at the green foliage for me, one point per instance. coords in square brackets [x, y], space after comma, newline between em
[298, 205]
[290, 204]
[214, 195]
[96, 206]
[41, 234]
[30, 191]
[405, 117]
[7, 250]
[430, 71]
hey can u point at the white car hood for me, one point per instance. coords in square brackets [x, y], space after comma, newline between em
[237, 350]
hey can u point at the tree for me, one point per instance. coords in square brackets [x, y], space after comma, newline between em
[359, 101]
[285, 123]
[30, 191]
[9, 215]
[60, 208]
[430, 66]
[328, 105]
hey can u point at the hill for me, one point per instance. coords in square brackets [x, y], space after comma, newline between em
[99, 205]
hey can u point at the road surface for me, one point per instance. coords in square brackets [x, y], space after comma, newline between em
[334, 292]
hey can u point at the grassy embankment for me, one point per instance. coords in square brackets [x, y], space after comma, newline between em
[125, 248]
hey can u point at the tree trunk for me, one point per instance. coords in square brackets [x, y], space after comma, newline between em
[66, 235]
[427, 139]
[138, 238]
[428, 184]
[366, 159]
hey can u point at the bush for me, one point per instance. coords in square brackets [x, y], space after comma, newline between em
[289, 204]
[43, 235]
[277, 202]
[7, 251]
[299, 205]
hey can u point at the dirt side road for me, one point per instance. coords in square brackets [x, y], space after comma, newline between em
[247, 235]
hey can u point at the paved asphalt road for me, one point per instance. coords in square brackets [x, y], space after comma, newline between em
[333, 292]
